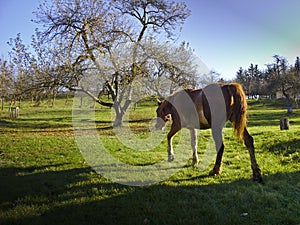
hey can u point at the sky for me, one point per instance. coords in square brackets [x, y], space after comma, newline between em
[229, 34]
[225, 34]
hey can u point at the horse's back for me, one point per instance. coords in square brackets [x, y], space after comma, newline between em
[189, 104]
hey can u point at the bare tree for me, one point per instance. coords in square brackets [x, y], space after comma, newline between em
[280, 78]
[209, 78]
[85, 36]
[6, 81]
[21, 61]
[172, 67]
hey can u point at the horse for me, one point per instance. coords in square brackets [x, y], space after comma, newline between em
[208, 108]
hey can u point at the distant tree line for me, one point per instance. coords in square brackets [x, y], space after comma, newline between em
[278, 77]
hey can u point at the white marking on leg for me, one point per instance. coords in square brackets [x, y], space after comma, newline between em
[193, 133]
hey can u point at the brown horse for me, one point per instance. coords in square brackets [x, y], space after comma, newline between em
[206, 108]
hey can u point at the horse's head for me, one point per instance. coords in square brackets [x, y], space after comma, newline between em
[163, 113]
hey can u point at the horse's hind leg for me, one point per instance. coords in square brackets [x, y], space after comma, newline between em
[248, 140]
[218, 138]
[193, 133]
[217, 167]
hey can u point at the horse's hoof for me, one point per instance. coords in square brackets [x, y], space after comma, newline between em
[171, 158]
[215, 172]
[212, 173]
[195, 163]
[257, 178]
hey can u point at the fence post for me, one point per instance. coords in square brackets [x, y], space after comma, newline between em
[13, 112]
[284, 124]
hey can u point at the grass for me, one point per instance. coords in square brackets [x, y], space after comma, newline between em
[46, 180]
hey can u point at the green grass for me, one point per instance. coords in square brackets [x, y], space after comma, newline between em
[46, 180]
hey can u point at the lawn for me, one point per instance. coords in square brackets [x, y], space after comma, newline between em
[46, 180]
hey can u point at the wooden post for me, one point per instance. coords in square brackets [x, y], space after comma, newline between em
[13, 112]
[284, 124]
[81, 101]
[2, 103]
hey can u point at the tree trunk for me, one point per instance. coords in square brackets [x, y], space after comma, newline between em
[120, 112]
[284, 124]
[53, 98]
[67, 99]
[119, 109]
[118, 120]
[287, 96]
[2, 103]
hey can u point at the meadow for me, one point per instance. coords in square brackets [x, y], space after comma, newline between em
[46, 180]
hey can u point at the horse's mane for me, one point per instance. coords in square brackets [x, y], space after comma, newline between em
[174, 94]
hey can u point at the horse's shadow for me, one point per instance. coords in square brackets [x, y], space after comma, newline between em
[170, 202]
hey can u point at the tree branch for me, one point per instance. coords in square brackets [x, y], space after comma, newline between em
[91, 95]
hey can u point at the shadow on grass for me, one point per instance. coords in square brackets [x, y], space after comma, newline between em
[37, 123]
[271, 118]
[288, 150]
[285, 147]
[265, 118]
[71, 196]
[56, 123]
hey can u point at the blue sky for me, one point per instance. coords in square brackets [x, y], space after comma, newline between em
[226, 34]
[15, 17]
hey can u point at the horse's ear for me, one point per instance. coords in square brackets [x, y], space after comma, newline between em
[159, 102]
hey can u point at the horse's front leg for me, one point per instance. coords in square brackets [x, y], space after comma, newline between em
[173, 131]
[193, 133]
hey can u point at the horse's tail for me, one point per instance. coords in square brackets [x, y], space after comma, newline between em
[239, 109]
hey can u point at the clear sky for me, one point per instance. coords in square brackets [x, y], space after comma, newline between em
[226, 34]
[15, 17]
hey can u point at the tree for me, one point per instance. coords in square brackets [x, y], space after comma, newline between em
[280, 77]
[244, 79]
[170, 67]
[6, 79]
[297, 66]
[295, 73]
[255, 83]
[209, 78]
[86, 35]
[21, 62]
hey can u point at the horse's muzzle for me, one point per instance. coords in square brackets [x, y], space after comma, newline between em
[160, 124]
